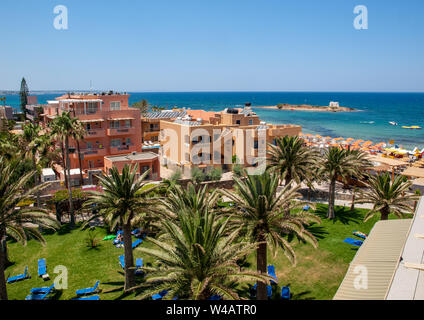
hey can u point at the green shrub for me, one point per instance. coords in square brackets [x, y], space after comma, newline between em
[238, 170]
[62, 195]
[91, 240]
[214, 175]
[197, 175]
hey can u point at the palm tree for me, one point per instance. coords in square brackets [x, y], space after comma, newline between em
[292, 159]
[260, 213]
[19, 223]
[341, 163]
[35, 145]
[387, 196]
[196, 254]
[62, 128]
[123, 200]
[78, 133]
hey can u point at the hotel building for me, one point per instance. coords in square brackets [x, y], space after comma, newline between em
[215, 139]
[113, 129]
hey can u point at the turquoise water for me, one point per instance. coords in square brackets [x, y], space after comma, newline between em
[380, 108]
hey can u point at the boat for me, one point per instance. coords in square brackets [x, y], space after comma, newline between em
[411, 127]
[393, 123]
[370, 122]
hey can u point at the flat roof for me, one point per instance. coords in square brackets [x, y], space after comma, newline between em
[133, 157]
[376, 260]
[408, 280]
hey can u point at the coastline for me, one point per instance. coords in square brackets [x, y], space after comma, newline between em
[309, 108]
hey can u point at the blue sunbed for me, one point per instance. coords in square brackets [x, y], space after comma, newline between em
[40, 296]
[138, 263]
[359, 234]
[92, 298]
[353, 242]
[42, 290]
[116, 241]
[306, 208]
[285, 293]
[268, 290]
[159, 295]
[23, 276]
[271, 272]
[136, 243]
[82, 292]
[215, 297]
[42, 269]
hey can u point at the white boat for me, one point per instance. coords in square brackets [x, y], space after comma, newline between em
[393, 123]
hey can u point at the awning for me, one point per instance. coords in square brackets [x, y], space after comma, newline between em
[92, 120]
[119, 119]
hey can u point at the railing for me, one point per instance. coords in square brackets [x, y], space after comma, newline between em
[121, 130]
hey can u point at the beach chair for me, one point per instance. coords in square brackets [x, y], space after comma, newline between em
[40, 296]
[20, 277]
[136, 243]
[138, 264]
[360, 234]
[83, 292]
[160, 295]
[42, 269]
[92, 298]
[136, 232]
[268, 290]
[285, 293]
[271, 272]
[306, 208]
[116, 241]
[215, 297]
[42, 290]
[353, 242]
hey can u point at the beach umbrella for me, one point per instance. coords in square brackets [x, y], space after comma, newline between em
[339, 138]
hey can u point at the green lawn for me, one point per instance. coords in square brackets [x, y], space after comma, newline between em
[317, 274]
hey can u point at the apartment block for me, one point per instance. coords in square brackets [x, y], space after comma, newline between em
[206, 139]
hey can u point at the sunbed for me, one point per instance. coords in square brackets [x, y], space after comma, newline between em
[92, 298]
[285, 293]
[268, 290]
[353, 242]
[116, 241]
[138, 263]
[42, 290]
[215, 297]
[41, 296]
[360, 234]
[136, 243]
[271, 272]
[95, 289]
[42, 269]
[306, 208]
[159, 295]
[20, 277]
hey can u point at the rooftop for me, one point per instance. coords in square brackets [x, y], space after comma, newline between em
[166, 114]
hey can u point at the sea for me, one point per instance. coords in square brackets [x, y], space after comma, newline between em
[370, 122]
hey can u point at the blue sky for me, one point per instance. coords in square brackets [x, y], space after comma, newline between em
[214, 45]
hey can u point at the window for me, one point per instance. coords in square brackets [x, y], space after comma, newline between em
[127, 123]
[250, 121]
[128, 141]
[256, 144]
[115, 142]
[115, 106]
[237, 121]
[114, 124]
[91, 107]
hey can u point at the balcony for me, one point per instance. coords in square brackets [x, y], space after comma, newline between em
[123, 149]
[95, 133]
[89, 153]
[122, 131]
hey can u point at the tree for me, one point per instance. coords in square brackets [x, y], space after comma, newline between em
[63, 127]
[35, 145]
[143, 105]
[341, 163]
[196, 255]
[387, 196]
[259, 212]
[292, 159]
[123, 201]
[19, 223]
[24, 96]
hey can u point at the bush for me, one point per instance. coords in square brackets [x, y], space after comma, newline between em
[197, 175]
[238, 170]
[62, 195]
[91, 240]
[214, 175]
[176, 175]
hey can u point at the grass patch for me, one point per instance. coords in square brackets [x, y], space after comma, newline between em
[317, 275]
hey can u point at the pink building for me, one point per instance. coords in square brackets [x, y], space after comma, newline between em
[113, 128]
